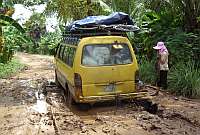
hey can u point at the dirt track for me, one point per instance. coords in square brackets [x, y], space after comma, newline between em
[30, 104]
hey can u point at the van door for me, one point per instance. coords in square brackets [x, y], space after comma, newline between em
[107, 69]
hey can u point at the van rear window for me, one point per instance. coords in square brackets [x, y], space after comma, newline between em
[106, 55]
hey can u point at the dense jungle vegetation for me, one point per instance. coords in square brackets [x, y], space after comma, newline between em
[176, 22]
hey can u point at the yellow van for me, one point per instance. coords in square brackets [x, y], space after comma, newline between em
[97, 68]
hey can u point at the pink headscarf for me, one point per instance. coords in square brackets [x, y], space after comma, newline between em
[161, 47]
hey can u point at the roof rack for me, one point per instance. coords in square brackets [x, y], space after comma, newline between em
[86, 34]
[73, 38]
[70, 40]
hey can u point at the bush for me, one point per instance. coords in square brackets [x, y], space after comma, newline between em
[10, 68]
[184, 79]
[147, 72]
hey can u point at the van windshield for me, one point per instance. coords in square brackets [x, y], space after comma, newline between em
[106, 55]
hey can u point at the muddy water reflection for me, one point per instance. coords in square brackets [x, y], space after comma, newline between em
[41, 105]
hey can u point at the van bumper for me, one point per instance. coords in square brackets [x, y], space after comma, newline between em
[135, 95]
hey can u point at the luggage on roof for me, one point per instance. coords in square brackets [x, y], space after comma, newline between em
[116, 22]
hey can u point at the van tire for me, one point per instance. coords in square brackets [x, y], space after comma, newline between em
[56, 81]
[69, 98]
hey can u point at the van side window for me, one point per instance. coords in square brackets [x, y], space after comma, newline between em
[71, 56]
[61, 52]
[68, 56]
[65, 55]
[58, 50]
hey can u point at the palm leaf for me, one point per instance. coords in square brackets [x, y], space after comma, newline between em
[104, 5]
[6, 20]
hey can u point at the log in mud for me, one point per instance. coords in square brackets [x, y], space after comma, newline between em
[31, 104]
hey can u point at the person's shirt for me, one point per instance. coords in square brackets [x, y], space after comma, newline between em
[164, 61]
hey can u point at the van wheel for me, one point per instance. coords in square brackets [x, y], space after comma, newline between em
[69, 99]
[84, 106]
[56, 81]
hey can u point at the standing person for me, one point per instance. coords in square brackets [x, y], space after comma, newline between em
[162, 64]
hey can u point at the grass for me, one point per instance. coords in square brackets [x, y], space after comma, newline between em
[184, 79]
[10, 68]
[147, 72]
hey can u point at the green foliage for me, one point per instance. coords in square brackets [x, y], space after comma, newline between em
[147, 71]
[68, 10]
[185, 10]
[48, 43]
[122, 5]
[6, 20]
[166, 21]
[135, 8]
[184, 79]
[181, 45]
[6, 55]
[36, 27]
[10, 68]
[25, 2]
[97, 9]
[198, 19]
[13, 40]
[36, 18]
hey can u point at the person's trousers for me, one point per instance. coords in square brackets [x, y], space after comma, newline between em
[162, 81]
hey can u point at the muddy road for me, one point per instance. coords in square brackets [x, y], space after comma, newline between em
[31, 104]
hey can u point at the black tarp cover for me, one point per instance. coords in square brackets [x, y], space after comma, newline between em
[91, 21]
